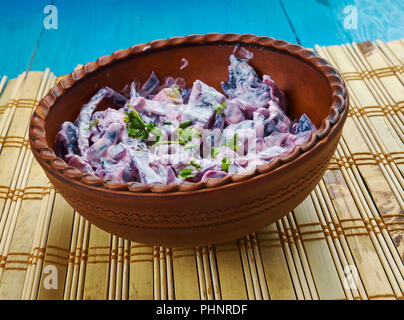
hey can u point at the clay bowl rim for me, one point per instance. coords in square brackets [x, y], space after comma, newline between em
[60, 169]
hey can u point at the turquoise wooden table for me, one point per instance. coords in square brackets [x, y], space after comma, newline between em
[91, 28]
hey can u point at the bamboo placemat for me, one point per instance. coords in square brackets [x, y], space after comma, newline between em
[345, 241]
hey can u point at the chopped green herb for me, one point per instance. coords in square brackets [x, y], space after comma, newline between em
[232, 143]
[167, 122]
[195, 165]
[157, 132]
[215, 151]
[220, 107]
[93, 124]
[186, 173]
[225, 164]
[187, 134]
[185, 124]
[150, 126]
[136, 127]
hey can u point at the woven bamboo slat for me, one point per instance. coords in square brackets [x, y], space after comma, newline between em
[202, 277]
[38, 246]
[394, 51]
[250, 276]
[344, 241]
[141, 278]
[230, 270]
[10, 108]
[17, 245]
[387, 200]
[383, 140]
[184, 267]
[77, 259]
[373, 174]
[369, 266]
[74, 243]
[299, 259]
[387, 75]
[2, 83]
[170, 280]
[254, 253]
[163, 272]
[5, 91]
[125, 270]
[210, 251]
[312, 234]
[116, 269]
[334, 245]
[374, 224]
[279, 278]
[27, 183]
[57, 249]
[41, 234]
[97, 264]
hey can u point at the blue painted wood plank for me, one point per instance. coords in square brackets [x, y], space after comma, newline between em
[89, 29]
[20, 27]
[322, 21]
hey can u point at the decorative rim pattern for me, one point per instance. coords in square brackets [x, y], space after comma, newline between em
[42, 150]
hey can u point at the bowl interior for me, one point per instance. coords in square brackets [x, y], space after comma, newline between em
[307, 90]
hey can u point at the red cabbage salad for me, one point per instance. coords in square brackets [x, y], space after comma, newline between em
[165, 132]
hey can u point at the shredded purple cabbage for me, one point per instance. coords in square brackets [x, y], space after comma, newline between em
[166, 133]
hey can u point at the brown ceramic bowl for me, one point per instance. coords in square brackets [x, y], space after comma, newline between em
[217, 210]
